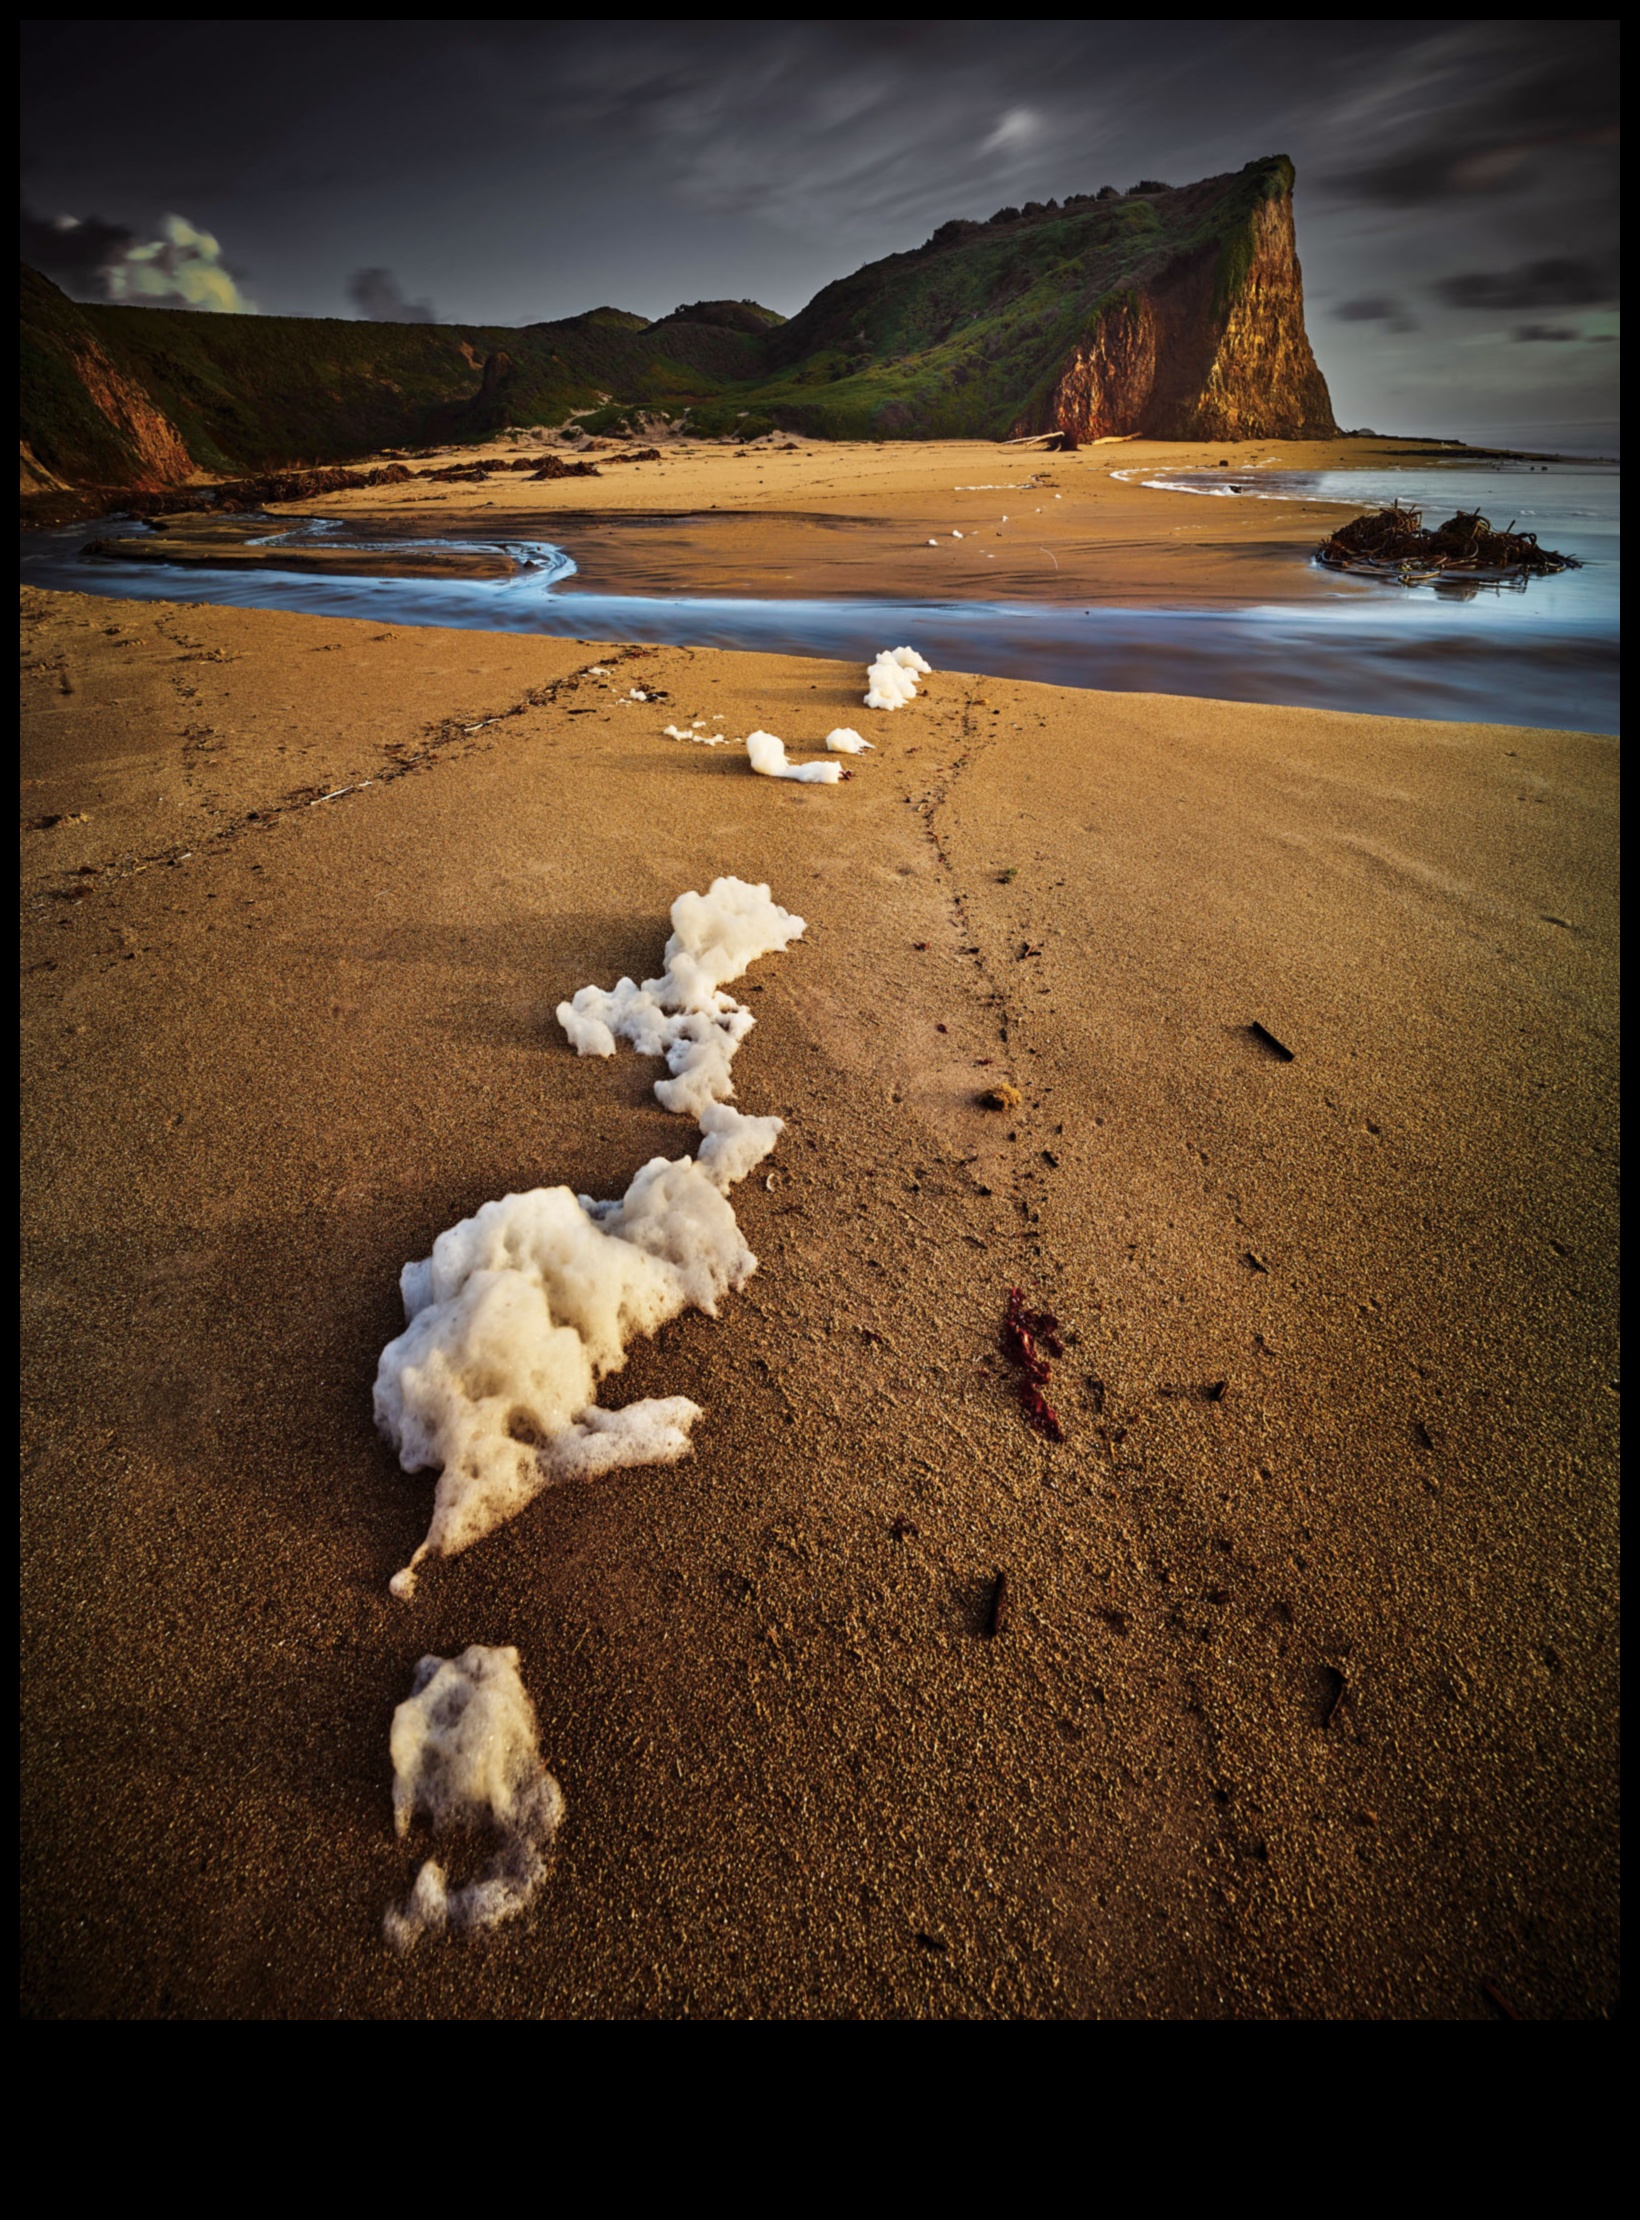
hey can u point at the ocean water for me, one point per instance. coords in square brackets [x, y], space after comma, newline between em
[1574, 508]
[1546, 653]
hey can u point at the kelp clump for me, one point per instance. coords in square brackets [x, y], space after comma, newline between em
[1393, 543]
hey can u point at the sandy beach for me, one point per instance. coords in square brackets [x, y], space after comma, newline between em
[784, 517]
[1305, 1703]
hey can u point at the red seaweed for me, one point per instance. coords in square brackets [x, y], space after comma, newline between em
[1029, 1338]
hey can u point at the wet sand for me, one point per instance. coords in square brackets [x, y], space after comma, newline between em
[242, 543]
[843, 518]
[1307, 1700]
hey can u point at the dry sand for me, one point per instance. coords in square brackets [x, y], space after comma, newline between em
[1306, 1702]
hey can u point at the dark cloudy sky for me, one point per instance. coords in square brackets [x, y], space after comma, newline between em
[1457, 179]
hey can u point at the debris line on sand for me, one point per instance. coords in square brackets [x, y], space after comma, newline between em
[465, 1756]
[1392, 543]
[1029, 1338]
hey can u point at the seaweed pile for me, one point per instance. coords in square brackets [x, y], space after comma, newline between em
[1392, 543]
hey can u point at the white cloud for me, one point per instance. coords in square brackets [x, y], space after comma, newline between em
[1016, 129]
[185, 264]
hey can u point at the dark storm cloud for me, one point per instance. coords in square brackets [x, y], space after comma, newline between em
[1558, 281]
[525, 169]
[377, 295]
[91, 259]
[848, 130]
[73, 251]
[1482, 108]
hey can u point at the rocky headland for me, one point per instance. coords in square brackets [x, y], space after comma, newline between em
[1173, 313]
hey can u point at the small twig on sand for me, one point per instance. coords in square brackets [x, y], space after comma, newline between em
[999, 1608]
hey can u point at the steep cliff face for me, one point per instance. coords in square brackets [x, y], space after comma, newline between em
[1178, 312]
[1107, 382]
[85, 417]
[156, 448]
[1212, 346]
[1264, 382]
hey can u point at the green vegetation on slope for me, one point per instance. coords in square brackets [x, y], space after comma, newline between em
[959, 338]
[963, 337]
[58, 417]
[251, 393]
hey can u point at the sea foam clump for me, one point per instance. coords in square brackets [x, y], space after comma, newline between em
[466, 1756]
[523, 1308]
[769, 758]
[846, 741]
[891, 681]
[684, 1015]
[515, 1318]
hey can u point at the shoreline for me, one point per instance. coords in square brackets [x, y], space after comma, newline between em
[841, 516]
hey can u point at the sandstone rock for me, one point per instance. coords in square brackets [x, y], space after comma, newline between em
[1211, 345]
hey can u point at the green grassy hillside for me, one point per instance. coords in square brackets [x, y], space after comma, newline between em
[969, 335]
[249, 393]
[962, 336]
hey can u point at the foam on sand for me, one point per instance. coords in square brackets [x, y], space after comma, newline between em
[684, 1015]
[466, 1756]
[769, 758]
[891, 681]
[846, 741]
[522, 1309]
[513, 1321]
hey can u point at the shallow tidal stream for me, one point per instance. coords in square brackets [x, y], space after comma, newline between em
[1543, 653]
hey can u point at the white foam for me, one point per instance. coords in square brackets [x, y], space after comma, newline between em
[703, 739]
[891, 682]
[466, 1756]
[734, 1144]
[846, 741]
[684, 1015]
[768, 756]
[522, 1309]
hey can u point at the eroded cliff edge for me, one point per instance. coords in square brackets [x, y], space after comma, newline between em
[1210, 346]
[1176, 312]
